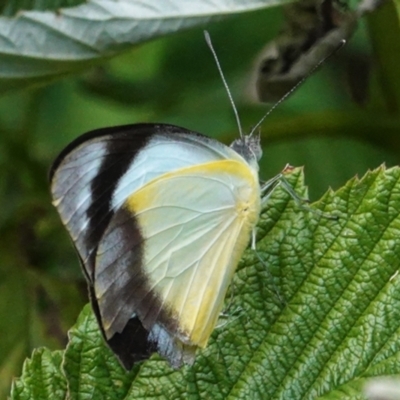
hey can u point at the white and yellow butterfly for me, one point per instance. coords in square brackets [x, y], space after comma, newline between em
[160, 217]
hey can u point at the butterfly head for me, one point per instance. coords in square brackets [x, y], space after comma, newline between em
[249, 147]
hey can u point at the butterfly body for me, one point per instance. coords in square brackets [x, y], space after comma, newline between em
[160, 217]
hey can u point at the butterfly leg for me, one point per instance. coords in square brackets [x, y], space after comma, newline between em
[303, 203]
[269, 187]
[279, 180]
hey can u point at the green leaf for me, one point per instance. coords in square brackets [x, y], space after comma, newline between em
[38, 46]
[41, 377]
[337, 326]
[90, 367]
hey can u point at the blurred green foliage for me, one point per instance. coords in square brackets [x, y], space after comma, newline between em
[174, 80]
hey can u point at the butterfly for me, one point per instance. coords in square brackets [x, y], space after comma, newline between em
[160, 216]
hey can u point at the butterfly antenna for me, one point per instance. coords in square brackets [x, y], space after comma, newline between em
[296, 86]
[208, 40]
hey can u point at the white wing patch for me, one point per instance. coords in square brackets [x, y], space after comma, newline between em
[163, 155]
[71, 189]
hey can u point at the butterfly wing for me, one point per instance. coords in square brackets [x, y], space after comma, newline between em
[152, 211]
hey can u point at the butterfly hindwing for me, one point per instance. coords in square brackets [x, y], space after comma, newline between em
[194, 225]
